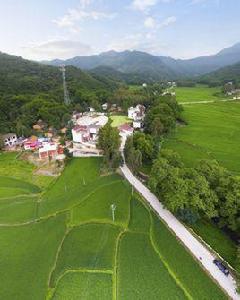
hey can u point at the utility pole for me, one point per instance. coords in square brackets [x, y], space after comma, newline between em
[113, 208]
[67, 100]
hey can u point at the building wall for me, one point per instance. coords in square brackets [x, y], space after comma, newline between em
[77, 136]
[10, 141]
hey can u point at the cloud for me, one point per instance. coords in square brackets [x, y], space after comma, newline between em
[75, 15]
[142, 5]
[145, 5]
[141, 42]
[150, 22]
[56, 49]
[168, 21]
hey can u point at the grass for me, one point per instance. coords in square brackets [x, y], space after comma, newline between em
[90, 247]
[27, 254]
[139, 221]
[18, 185]
[213, 236]
[18, 210]
[97, 207]
[213, 132]
[198, 93]
[119, 120]
[82, 253]
[183, 265]
[141, 274]
[11, 165]
[84, 285]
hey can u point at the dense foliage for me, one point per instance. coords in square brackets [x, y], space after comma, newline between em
[208, 189]
[30, 91]
[223, 75]
[161, 117]
[109, 141]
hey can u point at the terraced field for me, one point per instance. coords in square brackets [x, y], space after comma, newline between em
[62, 243]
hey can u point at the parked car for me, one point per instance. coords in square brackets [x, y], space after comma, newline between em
[221, 267]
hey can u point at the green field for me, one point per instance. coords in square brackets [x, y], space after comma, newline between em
[12, 166]
[63, 243]
[198, 93]
[119, 120]
[213, 132]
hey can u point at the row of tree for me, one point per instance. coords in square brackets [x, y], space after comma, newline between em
[161, 117]
[208, 190]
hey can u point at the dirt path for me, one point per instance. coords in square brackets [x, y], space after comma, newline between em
[208, 101]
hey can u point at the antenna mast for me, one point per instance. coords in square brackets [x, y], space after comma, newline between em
[67, 100]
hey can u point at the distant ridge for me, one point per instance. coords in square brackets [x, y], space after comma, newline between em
[154, 67]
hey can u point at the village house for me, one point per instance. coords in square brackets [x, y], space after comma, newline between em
[48, 150]
[104, 106]
[31, 143]
[137, 114]
[10, 140]
[85, 133]
[125, 130]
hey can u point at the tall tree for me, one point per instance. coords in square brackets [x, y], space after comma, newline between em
[109, 141]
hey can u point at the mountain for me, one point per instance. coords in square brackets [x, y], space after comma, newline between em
[30, 91]
[151, 67]
[223, 75]
[18, 75]
[128, 62]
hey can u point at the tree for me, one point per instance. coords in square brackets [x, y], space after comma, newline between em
[109, 141]
[144, 143]
[133, 157]
[1, 143]
[227, 188]
[182, 190]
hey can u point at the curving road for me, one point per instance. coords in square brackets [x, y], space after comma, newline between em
[197, 249]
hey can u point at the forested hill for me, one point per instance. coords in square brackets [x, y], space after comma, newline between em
[30, 91]
[223, 75]
[151, 68]
[22, 76]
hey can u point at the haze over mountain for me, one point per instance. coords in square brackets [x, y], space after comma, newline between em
[154, 67]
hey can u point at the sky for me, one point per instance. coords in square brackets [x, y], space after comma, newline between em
[49, 29]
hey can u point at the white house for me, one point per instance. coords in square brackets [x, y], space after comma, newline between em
[85, 134]
[10, 139]
[137, 124]
[136, 113]
[48, 150]
[104, 106]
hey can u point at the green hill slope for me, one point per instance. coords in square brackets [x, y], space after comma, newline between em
[30, 91]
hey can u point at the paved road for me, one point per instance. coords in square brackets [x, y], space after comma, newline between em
[197, 249]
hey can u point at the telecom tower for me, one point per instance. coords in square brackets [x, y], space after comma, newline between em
[67, 100]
